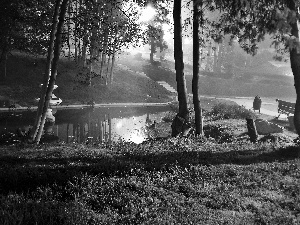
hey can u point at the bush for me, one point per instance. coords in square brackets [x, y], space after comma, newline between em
[169, 117]
[221, 133]
[225, 111]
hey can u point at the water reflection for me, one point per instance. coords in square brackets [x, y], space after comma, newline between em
[103, 125]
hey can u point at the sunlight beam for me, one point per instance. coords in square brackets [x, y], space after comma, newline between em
[147, 14]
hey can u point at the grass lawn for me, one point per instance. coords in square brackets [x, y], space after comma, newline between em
[220, 178]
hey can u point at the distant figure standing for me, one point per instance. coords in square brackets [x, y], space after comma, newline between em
[257, 103]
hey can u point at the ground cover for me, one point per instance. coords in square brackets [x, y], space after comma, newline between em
[220, 178]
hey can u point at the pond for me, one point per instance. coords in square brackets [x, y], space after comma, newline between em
[104, 124]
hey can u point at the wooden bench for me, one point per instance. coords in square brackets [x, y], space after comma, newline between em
[285, 107]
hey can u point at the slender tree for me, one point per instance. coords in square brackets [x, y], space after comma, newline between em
[180, 123]
[37, 123]
[54, 64]
[195, 81]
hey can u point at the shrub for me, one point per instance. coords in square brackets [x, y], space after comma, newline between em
[169, 117]
[221, 133]
[226, 111]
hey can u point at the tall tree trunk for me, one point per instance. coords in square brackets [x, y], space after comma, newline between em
[5, 50]
[195, 81]
[5, 64]
[215, 66]
[93, 53]
[161, 46]
[181, 121]
[56, 54]
[47, 71]
[69, 30]
[84, 46]
[152, 49]
[104, 53]
[220, 57]
[109, 43]
[75, 33]
[295, 65]
[208, 58]
[113, 59]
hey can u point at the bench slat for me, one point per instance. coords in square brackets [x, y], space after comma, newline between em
[285, 107]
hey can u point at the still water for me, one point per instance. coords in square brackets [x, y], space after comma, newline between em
[91, 124]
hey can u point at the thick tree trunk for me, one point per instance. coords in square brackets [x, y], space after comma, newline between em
[47, 71]
[195, 81]
[181, 121]
[295, 65]
[56, 54]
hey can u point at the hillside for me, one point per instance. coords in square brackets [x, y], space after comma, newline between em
[247, 84]
[25, 73]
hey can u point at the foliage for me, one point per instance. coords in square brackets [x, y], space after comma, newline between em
[25, 26]
[251, 21]
[169, 116]
[225, 111]
[221, 133]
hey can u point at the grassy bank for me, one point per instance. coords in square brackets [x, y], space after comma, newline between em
[220, 178]
[25, 74]
[274, 86]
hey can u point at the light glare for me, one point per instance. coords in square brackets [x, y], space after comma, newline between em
[147, 14]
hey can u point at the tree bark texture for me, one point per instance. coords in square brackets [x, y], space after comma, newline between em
[180, 123]
[295, 65]
[195, 81]
[56, 53]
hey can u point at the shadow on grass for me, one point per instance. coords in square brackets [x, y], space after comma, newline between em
[21, 174]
